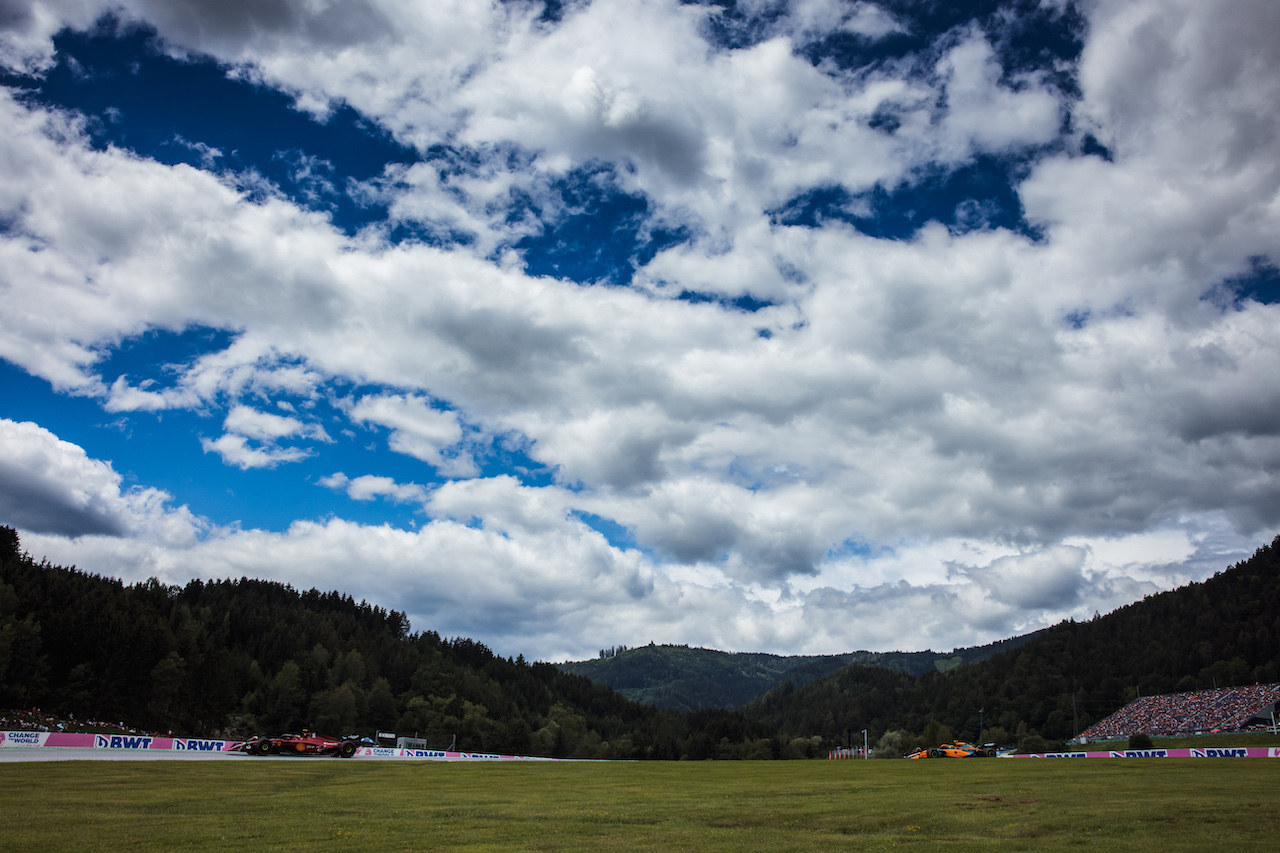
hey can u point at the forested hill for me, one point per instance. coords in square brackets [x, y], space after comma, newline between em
[1222, 632]
[251, 656]
[685, 679]
[238, 657]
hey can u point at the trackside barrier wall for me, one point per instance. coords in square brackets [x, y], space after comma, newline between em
[440, 754]
[64, 740]
[1205, 752]
[846, 752]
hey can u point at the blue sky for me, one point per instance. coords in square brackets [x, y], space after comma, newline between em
[784, 326]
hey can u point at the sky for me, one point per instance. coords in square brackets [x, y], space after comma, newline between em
[797, 327]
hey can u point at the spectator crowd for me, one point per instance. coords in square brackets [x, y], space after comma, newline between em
[1226, 710]
[35, 720]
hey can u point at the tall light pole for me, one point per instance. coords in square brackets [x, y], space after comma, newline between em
[980, 710]
[864, 744]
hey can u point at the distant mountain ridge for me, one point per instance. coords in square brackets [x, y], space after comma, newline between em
[255, 655]
[681, 678]
[1222, 632]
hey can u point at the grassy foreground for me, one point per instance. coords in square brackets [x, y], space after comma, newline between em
[329, 804]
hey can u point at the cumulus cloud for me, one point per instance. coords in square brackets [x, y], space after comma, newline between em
[541, 582]
[51, 486]
[27, 29]
[251, 438]
[1043, 580]
[418, 430]
[266, 426]
[982, 114]
[236, 450]
[870, 20]
[368, 486]
[992, 427]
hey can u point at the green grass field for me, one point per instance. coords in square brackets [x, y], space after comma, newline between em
[330, 804]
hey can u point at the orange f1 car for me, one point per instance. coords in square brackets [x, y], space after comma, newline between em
[956, 749]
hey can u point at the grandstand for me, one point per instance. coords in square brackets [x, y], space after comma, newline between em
[1230, 709]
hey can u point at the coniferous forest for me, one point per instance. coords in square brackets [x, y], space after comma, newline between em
[687, 679]
[1223, 632]
[238, 657]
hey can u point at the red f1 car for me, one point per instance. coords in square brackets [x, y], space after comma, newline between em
[307, 743]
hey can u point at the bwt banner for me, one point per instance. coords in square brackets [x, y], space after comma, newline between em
[66, 740]
[197, 745]
[441, 755]
[123, 742]
[1204, 752]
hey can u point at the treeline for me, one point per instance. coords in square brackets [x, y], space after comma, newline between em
[680, 678]
[239, 657]
[1223, 632]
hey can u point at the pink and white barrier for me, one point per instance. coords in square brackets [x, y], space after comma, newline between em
[65, 740]
[441, 755]
[1205, 752]
[846, 752]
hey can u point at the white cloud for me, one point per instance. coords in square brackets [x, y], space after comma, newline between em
[1181, 93]
[983, 115]
[265, 426]
[1062, 422]
[236, 450]
[538, 581]
[805, 20]
[417, 430]
[244, 425]
[26, 32]
[868, 19]
[123, 397]
[1043, 580]
[51, 486]
[368, 486]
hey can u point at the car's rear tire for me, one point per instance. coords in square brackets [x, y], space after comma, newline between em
[347, 749]
[990, 753]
